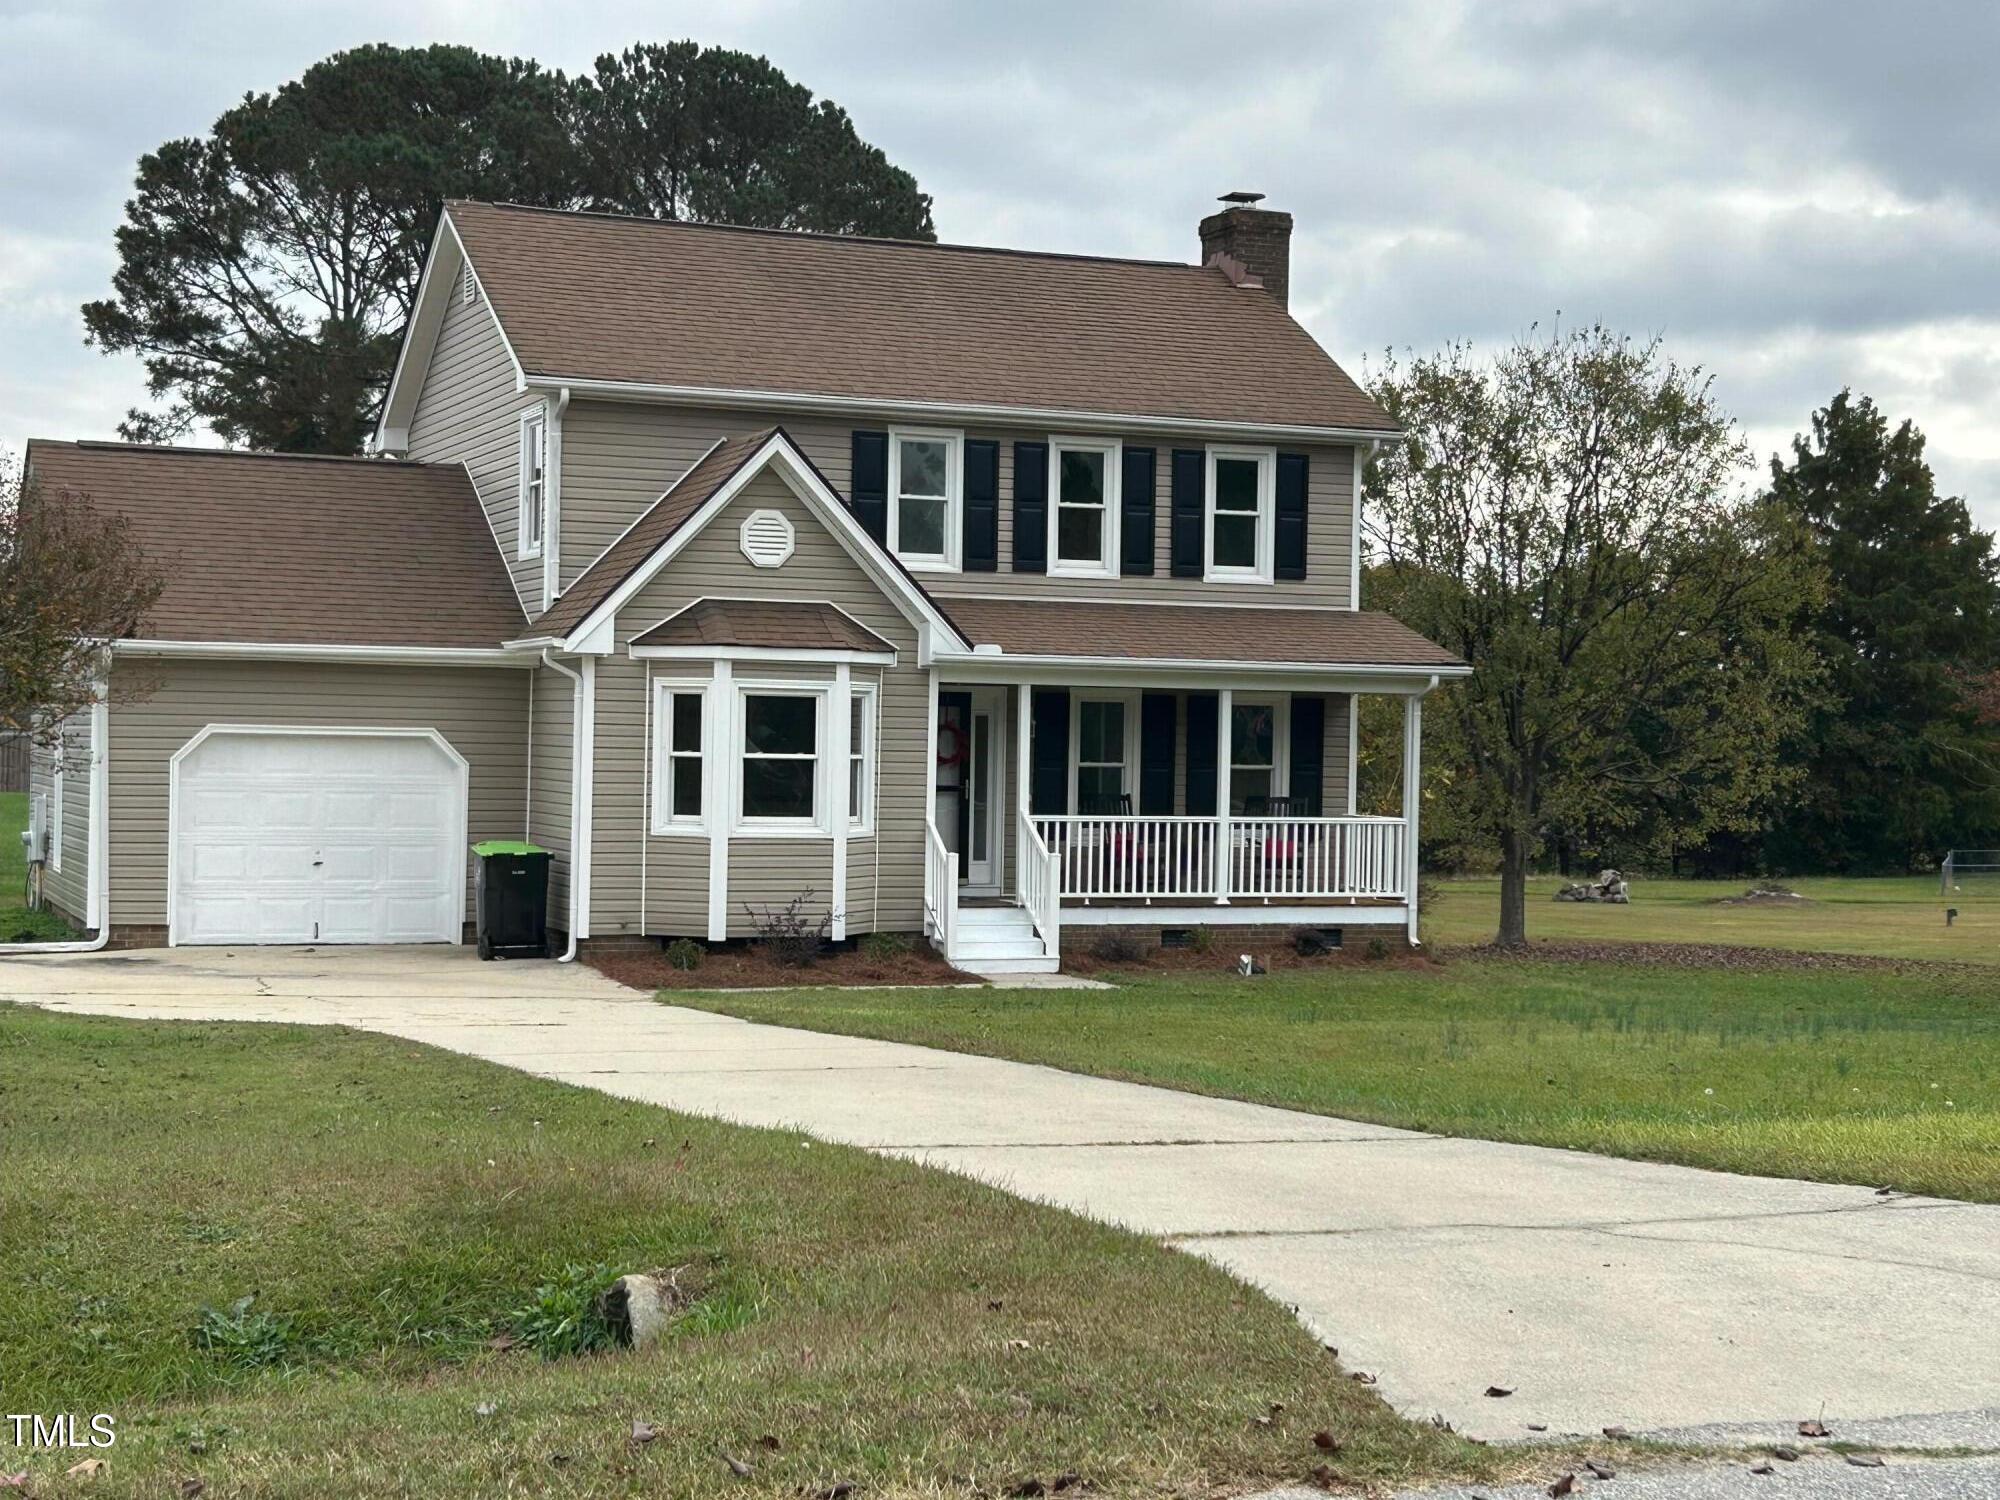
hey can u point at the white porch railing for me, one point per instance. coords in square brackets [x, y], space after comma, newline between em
[1038, 882]
[940, 893]
[1223, 859]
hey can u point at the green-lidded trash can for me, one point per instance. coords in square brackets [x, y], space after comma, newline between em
[513, 899]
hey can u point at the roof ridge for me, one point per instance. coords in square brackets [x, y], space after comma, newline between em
[108, 446]
[823, 237]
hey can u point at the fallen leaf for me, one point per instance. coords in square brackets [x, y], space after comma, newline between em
[1276, 1407]
[1326, 1442]
[769, 1443]
[1538, 1427]
[1600, 1470]
[1260, 1421]
[500, 1343]
[88, 1468]
[192, 1487]
[840, 1489]
[1324, 1477]
[1617, 1434]
[644, 1432]
[1497, 1391]
[737, 1467]
[1068, 1482]
[1563, 1486]
[1813, 1427]
[1763, 1468]
[995, 1304]
[1028, 1488]
[1866, 1460]
[485, 1409]
[14, 1481]
[1019, 1344]
[1362, 1377]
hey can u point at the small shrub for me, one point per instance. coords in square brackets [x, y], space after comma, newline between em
[1378, 949]
[788, 936]
[685, 954]
[246, 1337]
[563, 1318]
[885, 945]
[1118, 945]
[1202, 940]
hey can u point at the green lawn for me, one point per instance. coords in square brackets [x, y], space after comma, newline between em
[1897, 918]
[1846, 1076]
[391, 1207]
[17, 924]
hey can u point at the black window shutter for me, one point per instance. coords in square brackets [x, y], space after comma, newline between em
[980, 552]
[1156, 755]
[1201, 712]
[1291, 539]
[1135, 530]
[1048, 775]
[1190, 498]
[1031, 507]
[1308, 779]
[868, 487]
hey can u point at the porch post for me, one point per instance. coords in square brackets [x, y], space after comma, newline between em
[1023, 727]
[1413, 750]
[839, 714]
[933, 900]
[1224, 700]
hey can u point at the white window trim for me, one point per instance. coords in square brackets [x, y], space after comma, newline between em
[58, 795]
[950, 560]
[1113, 450]
[819, 825]
[1280, 705]
[861, 817]
[1264, 570]
[526, 547]
[664, 822]
[1079, 697]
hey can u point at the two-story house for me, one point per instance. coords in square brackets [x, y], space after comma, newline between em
[983, 594]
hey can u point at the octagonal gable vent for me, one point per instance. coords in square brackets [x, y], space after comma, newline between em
[767, 538]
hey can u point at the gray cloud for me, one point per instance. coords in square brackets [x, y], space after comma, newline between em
[1800, 197]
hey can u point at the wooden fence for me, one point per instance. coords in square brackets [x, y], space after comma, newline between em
[13, 762]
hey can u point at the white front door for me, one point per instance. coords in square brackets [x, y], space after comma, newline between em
[984, 790]
[317, 837]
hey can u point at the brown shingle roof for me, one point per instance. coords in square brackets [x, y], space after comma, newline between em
[278, 549]
[1193, 632]
[787, 624]
[670, 512]
[598, 297]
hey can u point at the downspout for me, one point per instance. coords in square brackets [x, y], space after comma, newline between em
[575, 798]
[97, 860]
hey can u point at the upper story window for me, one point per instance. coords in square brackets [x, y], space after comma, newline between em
[925, 478]
[1083, 507]
[1242, 506]
[534, 486]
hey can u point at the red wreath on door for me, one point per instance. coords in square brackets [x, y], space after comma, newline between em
[956, 753]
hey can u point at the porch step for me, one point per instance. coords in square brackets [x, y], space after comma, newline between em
[993, 968]
[994, 940]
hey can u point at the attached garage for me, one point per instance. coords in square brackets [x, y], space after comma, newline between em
[309, 834]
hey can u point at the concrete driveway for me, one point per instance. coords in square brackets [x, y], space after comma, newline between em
[1599, 1291]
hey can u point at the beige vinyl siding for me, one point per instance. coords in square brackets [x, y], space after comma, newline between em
[618, 458]
[659, 884]
[67, 889]
[469, 412]
[552, 715]
[482, 711]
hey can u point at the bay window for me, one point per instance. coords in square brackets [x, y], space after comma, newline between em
[1242, 506]
[678, 782]
[925, 470]
[1083, 507]
[781, 742]
[861, 759]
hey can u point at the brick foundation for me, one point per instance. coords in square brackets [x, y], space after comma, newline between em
[1258, 939]
[137, 935]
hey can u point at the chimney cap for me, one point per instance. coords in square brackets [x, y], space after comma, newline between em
[1240, 199]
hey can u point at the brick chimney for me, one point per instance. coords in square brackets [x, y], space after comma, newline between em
[1253, 245]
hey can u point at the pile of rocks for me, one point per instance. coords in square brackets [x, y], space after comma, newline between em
[1608, 887]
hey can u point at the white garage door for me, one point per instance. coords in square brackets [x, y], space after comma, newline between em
[318, 838]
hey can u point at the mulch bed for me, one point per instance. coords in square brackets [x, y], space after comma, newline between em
[1703, 956]
[746, 968]
[1221, 959]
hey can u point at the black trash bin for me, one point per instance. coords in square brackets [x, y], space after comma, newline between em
[513, 899]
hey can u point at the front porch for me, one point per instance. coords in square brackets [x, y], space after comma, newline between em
[1145, 802]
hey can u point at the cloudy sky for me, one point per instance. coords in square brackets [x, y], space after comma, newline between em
[1799, 196]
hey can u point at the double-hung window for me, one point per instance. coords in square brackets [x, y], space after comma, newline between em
[1104, 752]
[1255, 734]
[534, 487]
[1242, 506]
[678, 779]
[861, 759]
[780, 786]
[1083, 507]
[925, 474]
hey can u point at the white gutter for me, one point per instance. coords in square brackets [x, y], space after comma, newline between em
[578, 813]
[97, 874]
[442, 656]
[1057, 418]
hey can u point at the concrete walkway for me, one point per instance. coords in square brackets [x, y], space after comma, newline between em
[1599, 1291]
